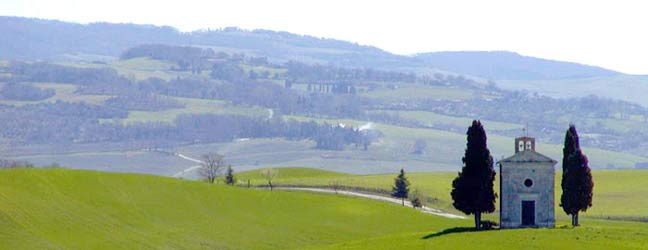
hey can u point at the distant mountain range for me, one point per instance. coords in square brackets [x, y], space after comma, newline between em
[30, 38]
[504, 65]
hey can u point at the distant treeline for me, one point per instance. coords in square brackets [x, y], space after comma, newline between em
[232, 85]
[91, 80]
[143, 102]
[330, 91]
[24, 92]
[63, 122]
[329, 74]
[9, 163]
[187, 58]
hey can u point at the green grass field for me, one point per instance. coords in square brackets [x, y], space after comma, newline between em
[64, 92]
[192, 106]
[140, 68]
[612, 189]
[409, 91]
[70, 209]
[431, 119]
[65, 209]
[260, 69]
[624, 87]
[446, 148]
[596, 235]
[144, 68]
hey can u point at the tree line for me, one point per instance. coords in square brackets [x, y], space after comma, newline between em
[64, 122]
[24, 92]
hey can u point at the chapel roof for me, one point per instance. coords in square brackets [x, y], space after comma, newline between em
[528, 156]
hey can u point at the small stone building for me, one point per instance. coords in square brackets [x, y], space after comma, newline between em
[527, 187]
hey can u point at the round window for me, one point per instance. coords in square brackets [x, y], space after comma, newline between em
[528, 182]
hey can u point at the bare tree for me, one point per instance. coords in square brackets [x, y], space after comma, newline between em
[335, 185]
[417, 198]
[212, 166]
[269, 174]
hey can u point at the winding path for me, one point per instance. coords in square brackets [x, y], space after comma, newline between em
[424, 209]
[187, 158]
[189, 169]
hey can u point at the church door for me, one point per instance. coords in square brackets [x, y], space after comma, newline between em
[528, 213]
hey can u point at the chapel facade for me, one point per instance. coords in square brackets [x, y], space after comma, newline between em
[527, 187]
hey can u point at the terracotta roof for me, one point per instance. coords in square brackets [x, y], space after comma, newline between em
[528, 156]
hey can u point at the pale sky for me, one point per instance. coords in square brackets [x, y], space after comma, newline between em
[610, 34]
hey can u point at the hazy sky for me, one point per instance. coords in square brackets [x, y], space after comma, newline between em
[611, 34]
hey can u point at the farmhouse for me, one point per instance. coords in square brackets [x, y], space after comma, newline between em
[526, 187]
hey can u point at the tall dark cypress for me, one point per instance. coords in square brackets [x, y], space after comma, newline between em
[472, 190]
[229, 177]
[401, 187]
[571, 145]
[577, 183]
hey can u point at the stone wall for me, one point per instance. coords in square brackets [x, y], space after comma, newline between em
[513, 192]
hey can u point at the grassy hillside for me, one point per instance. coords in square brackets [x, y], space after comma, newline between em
[623, 87]
[68, 209]
[596, 235]
[434, 119]
[191, 106]
[409, 92]
[63, 92]
[612, 189]
[509, 65]
[446, 148]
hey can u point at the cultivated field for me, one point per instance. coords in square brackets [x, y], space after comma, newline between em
[192, 106]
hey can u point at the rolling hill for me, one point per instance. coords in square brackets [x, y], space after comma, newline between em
[610, 190]
[70, 209]
[64, 209]
[504, 65]
[30, 38]
[403, 107]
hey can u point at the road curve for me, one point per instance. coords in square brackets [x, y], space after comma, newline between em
[189, 169]
[424, 209]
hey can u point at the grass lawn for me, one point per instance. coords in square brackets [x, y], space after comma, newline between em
[66, 209]
[71, 209]
[613, 189]
[601, 235]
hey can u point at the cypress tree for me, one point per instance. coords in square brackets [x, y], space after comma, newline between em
[577, 183]
[472, 190]
[229, 177]
[401, 187]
